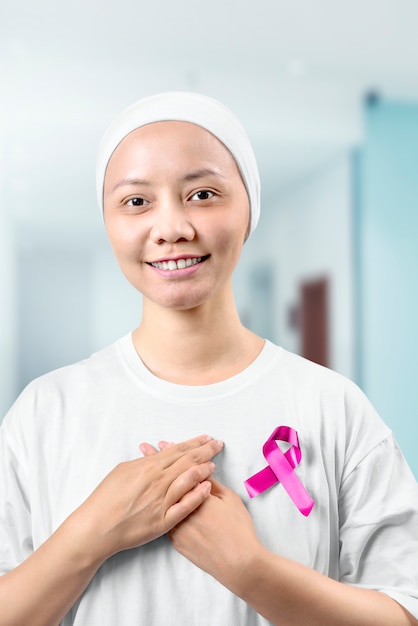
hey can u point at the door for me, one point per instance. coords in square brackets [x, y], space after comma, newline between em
[314, 320]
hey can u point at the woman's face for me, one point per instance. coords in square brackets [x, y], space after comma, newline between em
[176, 213]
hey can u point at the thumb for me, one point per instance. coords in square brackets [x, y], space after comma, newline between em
[218, 489]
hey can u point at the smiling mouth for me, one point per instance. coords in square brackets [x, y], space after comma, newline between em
[180, 264]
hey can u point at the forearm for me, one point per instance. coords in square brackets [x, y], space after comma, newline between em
[290, 594]
[135, 503]
[43, 588]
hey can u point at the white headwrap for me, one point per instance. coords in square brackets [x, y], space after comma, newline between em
[186, 107]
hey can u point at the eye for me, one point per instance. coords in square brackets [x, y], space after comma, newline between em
[137, 201]
[203, 194]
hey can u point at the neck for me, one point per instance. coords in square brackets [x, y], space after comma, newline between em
[197, 346]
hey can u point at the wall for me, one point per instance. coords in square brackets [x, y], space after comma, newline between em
[8, 325]
[72, 301]
[387, 238]
[54, 305]
[307, 234]
[116, 305]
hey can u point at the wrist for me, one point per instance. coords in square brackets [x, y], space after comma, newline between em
[82, 542]
[245, 571]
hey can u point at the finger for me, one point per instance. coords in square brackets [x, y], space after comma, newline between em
[163, 445]
[187, 481]
[147, 449]
[191, 452]
[218, 489]
[222, 492]
[187, 504]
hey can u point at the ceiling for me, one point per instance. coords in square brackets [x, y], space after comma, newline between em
[295, 72]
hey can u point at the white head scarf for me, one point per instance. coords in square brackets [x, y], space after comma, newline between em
[185, 107]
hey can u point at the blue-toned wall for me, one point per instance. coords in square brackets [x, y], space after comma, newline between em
[387, 271]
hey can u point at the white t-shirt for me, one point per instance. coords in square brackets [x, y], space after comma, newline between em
[69, 428]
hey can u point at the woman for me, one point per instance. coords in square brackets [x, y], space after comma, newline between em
[91, 534]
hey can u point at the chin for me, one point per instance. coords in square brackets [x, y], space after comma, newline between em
[182, 304]
[183, 299]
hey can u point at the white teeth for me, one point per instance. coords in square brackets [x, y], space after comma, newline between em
[176, 265]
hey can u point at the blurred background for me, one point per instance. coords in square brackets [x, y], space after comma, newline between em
[328, 92]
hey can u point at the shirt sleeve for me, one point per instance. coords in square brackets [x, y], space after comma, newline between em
[378, 511]
[15, 518]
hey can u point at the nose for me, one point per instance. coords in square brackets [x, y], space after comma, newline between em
[171, 223]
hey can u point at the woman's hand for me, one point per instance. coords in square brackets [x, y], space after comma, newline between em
[143, 499]
[219, 536]
[136, 502]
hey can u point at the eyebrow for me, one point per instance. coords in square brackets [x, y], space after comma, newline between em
[187, 177]
[130, 181]
[201, 173]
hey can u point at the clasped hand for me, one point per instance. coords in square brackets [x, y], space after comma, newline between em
[143, 499]
[218, 536]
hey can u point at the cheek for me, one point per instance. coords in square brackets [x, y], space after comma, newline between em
[230, 242]
[123, 237]
[236, 229]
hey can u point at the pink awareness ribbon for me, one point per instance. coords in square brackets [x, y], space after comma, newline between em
[280, 468]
